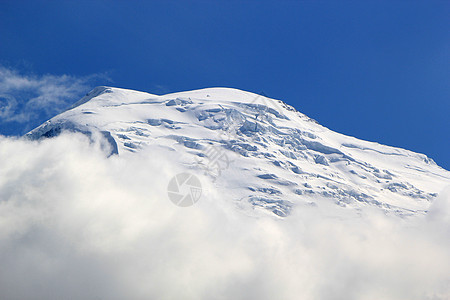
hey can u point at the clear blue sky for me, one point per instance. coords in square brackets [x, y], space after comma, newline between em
[376, 70]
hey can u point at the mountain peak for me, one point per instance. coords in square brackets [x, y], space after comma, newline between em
[272, 158]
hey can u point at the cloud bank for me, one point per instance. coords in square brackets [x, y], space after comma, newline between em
[32, 99]
[75, 224]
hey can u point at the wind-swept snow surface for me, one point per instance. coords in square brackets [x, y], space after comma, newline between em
[279, 208]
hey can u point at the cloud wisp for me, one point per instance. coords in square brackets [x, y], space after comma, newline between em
[73, 222]
[30, 99]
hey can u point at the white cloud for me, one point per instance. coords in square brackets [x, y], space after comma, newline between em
[25, 98]
[73, 222]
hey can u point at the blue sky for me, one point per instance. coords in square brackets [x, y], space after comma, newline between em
[376, 70]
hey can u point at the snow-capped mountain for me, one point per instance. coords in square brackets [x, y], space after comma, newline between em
[261, 152]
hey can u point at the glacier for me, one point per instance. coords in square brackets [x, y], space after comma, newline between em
[267, 157]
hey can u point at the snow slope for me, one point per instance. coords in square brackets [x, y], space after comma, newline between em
[261, 152]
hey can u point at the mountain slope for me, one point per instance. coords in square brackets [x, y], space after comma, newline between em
[261, 152]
